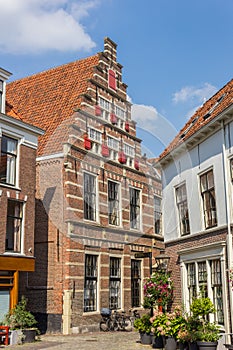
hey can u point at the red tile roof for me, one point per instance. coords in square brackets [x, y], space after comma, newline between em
[202, 117]
[49, 98]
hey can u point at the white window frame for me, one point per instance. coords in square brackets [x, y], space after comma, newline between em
[16, 164]
[209, 252]
[119, 204]
[202, 192]
[120, 112]
[139, 218]
[180, 205]
[117, 278]
[22, 224]
[105, 106]
[96, 196]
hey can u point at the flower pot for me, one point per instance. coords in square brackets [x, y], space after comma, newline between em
[193, 346]
[207, 345]
[157, 342]
[170, 343]
[21, 336]
[146, 338]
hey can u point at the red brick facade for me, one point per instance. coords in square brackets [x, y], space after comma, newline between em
[68, 151]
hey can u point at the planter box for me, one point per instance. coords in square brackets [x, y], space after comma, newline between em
[21, 336]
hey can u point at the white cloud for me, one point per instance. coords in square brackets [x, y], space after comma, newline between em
[190, 93]
[153, 125]
[32, 26]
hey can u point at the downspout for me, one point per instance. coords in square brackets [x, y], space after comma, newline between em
[229, 234]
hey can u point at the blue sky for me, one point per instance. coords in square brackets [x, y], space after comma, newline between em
[175, 53]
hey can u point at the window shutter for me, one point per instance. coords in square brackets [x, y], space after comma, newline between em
[112, 79]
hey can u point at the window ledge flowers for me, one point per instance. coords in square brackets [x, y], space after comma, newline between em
[158, 290]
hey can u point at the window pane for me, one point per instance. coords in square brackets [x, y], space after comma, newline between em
[89, 197]
[8, 160]
[208, 198]
[115, 283]
[113, 203]
[134, 208]
[157, 214]
[14, 226]
[135, 283]
[90, 285]
[182, 205]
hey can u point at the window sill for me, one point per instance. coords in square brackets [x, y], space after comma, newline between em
[13, 187]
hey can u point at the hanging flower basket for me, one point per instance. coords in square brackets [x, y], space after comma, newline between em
[136, 164]
[97, 111]
[158, 290]
[105, 150]
[113, 118]
[87, 142]
[127, 126]
[122, 157]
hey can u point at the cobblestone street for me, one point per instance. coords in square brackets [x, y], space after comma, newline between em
[88, 341]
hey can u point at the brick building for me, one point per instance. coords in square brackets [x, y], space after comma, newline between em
[97, 199]
[18, 144]
[197, 205]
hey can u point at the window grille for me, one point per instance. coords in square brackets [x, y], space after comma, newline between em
[90, 284]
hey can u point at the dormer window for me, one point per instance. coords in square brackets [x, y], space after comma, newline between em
[111, 79]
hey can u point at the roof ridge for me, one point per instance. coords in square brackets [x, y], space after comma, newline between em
[53, 68]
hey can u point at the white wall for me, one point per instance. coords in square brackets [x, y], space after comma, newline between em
[187, 168]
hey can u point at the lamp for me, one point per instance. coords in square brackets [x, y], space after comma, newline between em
[161, 262]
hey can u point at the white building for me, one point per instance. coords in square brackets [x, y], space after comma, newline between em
[197, 172]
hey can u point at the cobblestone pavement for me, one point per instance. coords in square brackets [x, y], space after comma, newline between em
[88, 341]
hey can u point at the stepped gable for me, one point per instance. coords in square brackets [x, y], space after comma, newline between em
[204, 115]
[49, 98]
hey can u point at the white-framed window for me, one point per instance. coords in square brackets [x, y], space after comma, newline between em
[105, 108]
[129, 150]
[113, 203]
[208, 199]
[113, 143]
[115, 283]
[182, 206]
[90, 283]
[120, 112]
[205, 276]
[136, 282]
[134, 208]
[89, 197]
[95, 135]
[157, 215]
[14, 226]
[8, 149]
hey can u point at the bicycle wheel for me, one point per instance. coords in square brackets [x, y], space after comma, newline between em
[113, 325]
[127, 325]
[104, 326]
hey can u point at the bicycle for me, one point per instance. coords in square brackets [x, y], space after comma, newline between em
[105, 322]
[122, 322]
[134, 314]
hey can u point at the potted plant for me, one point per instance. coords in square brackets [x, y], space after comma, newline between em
[168, 325]
[144, 325]
[22, 323]
[206, 333]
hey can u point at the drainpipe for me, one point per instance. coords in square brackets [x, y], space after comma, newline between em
[229, 234]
